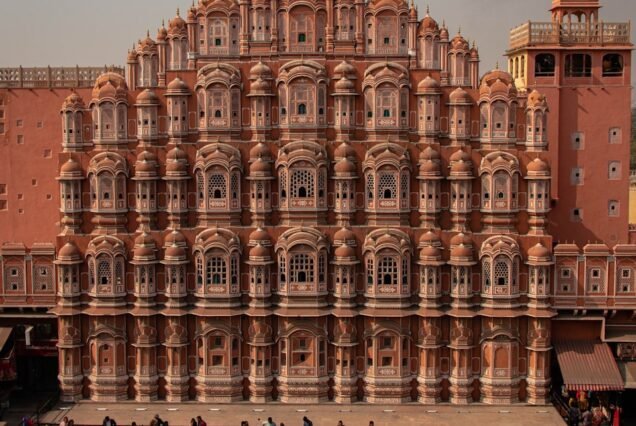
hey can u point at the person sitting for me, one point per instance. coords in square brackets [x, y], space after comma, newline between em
[269, 422]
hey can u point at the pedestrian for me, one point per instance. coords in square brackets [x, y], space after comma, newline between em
[371, 423]
[133, 424]
[201, 422]
[109, 422]
[340, 423]
[64, 421]
[574, 413]
[193, 422]
[245, 423]
[26, 421]
[307, 422]
[586, 418]
[158, 421]
[269, 422]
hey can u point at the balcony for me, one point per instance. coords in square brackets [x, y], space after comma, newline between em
[48, 77]
[578, 33]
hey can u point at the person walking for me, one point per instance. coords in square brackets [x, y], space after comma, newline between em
[193, 422]
[307, 422]
[201, 422]
[269, 422]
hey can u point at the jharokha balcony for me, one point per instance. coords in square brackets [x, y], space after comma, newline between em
[574, 33]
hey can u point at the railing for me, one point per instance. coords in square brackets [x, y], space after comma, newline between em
[48, 77]
[537, 33]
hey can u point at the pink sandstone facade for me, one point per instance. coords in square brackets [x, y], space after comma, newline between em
[321, 200]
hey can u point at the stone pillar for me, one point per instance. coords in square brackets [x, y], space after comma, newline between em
[429, 376]
[461, 346]
[539, 348]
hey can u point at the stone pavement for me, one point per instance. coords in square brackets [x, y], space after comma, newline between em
[92, 413]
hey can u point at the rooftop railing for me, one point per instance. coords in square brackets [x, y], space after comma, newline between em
[578, 33]
[52, 77]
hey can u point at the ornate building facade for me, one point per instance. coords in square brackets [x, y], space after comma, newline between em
[322, 200]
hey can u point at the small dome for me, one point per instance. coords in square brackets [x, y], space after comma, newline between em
[259, 251]
[260, 167]
[344, 235]
[429, 154]
[259, 235]
[260, 70]
[537, 100]
[73, 101]
[344, 68]
[429, 252]
[345, 166]
[71, 167]
[144, 246]
[460, 96]
[176, 154]
[162, 33]
[178, 86]
[474, 53]
[428, 25]
[429, 84]
[175, 252]
[345, 85]
[69, 252]
[260, 150]
[429, 167]
[459, 43]
[461, 251]
[147, 45]
[177, 26]
[344, 150]
[260, 85]
[461, 238]
[538, 166]
[461, 167]
[430, 239]
[174, 238]
[443, 33]
[460, 155]
[491, 77]
[344, 251]
[539, 251]
[110, 85]
[147, 97]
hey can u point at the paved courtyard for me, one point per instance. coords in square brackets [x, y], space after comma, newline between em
[90, 413]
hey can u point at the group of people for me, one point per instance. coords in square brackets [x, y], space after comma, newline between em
[582, 412]
[198, 421]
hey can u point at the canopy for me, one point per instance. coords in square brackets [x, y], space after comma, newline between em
[588, 365]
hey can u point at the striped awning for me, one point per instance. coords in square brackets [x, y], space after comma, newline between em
[588, 366]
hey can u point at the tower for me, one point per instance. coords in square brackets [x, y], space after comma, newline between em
[579, 60]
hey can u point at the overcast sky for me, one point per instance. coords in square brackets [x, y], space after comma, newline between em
[93, 32]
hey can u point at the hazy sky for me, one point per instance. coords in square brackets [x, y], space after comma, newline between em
[93, 32]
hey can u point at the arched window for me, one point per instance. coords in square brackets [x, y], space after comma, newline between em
[216, 271]
[301, 268]
[302, 109]
[502, 272]
[612, 65]
[387, 273]
[104, 271]
[544, 65]
[578, 65]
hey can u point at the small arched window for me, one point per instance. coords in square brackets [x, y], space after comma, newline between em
[578, 65]
[544, 65]
[612, 65]
[302, 109]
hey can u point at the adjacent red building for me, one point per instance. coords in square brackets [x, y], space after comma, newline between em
[323, 200]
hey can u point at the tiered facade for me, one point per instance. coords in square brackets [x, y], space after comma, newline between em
[311, 201]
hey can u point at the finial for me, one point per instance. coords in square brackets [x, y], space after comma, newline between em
[497, 65]
[428, 10]
[163, 22]
[459, 30]
[178, 12]
[148, 33]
